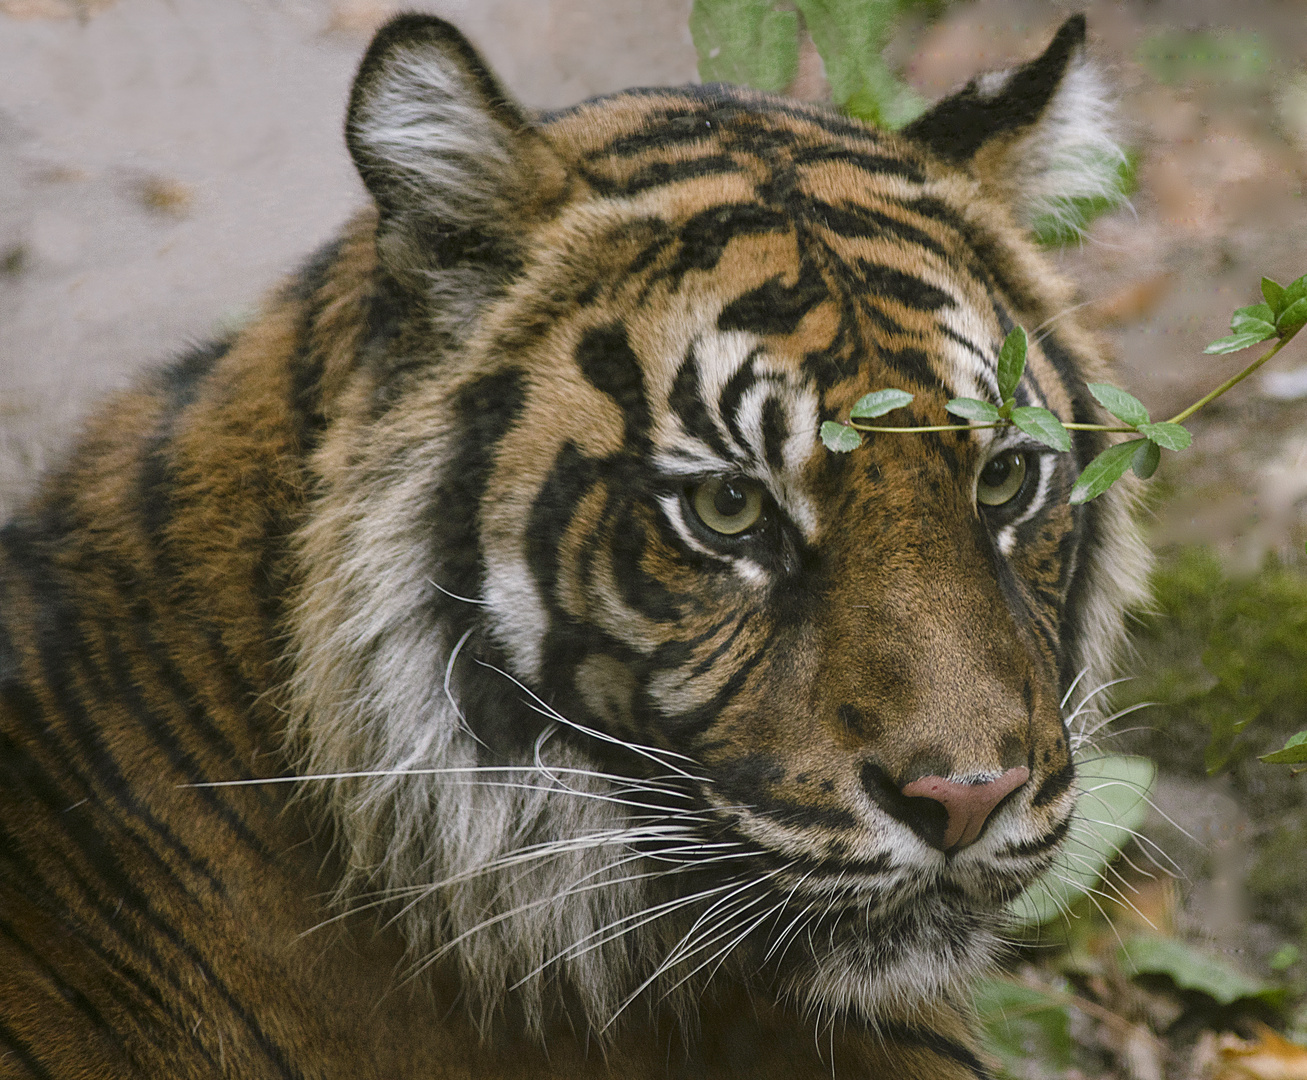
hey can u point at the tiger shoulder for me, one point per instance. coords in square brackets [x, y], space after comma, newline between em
[477, 666]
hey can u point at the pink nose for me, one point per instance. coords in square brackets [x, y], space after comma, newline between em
[968, 805]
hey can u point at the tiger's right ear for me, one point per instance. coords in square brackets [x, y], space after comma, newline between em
[456, 168]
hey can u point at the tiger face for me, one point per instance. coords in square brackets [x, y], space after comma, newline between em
[631, 679]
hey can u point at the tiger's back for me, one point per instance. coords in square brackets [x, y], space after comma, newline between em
[506, 521]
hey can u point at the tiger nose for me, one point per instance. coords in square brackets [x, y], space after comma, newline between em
[968, 805]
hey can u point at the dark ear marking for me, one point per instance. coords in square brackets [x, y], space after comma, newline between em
[1000, 103]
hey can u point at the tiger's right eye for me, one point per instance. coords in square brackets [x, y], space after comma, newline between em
[1001, 479]
[728, 506]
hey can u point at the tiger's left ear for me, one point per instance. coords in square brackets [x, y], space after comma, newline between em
[458, 171]
[1039, 136]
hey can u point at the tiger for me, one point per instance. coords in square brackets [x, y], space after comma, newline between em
[476, 665]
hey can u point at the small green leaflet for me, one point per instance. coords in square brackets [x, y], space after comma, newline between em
[1255, 317]
[1145, 459]
[1294, 752]
[1250, 325]
[982, 412]
[1042, 426]
[1167, 435]
[1012, 362]
[1125, 407]
[745, 42]
[1274, 293]
[1235, 342]
[1104, 471]
[878, 403]
[1292, 317]
[839, 437]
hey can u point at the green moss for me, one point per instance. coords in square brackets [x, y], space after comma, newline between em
[1225, 660]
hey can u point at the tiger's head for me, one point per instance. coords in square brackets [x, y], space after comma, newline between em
[626, 680]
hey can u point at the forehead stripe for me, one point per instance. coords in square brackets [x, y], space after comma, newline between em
[605, 357]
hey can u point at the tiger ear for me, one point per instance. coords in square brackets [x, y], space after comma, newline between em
[455, 166]
[1040, 136]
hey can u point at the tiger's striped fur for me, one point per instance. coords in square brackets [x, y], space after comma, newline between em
[377, 701]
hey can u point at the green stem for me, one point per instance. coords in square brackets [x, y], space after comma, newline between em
[980, 427]
[1179, 417]
[1182, 416]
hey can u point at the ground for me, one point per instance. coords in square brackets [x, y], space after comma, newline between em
[162, 162]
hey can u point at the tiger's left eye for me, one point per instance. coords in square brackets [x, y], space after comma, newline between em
[1001, 479]
[728, 506]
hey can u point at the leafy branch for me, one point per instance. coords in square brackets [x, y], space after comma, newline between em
[1281, 317]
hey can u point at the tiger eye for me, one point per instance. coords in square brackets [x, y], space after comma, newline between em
[728, 506]
[1001, 479]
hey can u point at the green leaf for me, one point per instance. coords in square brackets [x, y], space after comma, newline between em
[1167, 435]
[1005, 410]
[1235, 342]
[1114, 794]
[1023, 1023]
[1125, 407]
[1145, 459]
[878, 403]
[972, 409]
[1293, 316]
[1104, 471]
[839, 437]
[1250, 318]
[1294, 752]
[1190, 969]
[1043, 426]
[1012, 362]
[1295, 291]
[1274, 293]
[745, 42]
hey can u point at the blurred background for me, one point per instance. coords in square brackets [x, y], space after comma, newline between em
[164, 162]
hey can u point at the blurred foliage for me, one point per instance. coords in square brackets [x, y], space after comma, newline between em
[1219, 654]
[1114, 793]
[746, 42]
[1226, 56]
[1067, 226]
[754, 43]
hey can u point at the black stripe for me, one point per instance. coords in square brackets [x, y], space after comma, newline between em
[862, 223]
[1055, 785]
[703, 238]
[66, 990]
[22, 1052]
[686, 401]
[937, 1043]
[907, 289]
[62, 649]
[1040, 844]
[776, 307]
[605, 357]
[663, 173]
[877, 164]
[775, 431]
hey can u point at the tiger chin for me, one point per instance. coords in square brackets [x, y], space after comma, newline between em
[476, 665]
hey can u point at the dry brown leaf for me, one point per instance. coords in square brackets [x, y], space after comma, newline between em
[165, 196]
[1267, 1057]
